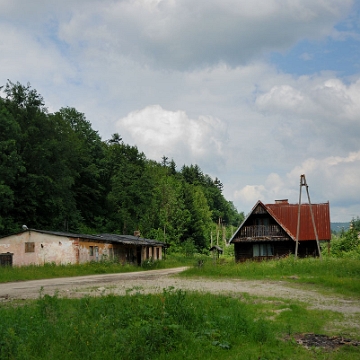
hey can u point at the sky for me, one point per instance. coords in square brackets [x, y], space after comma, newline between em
[256, 92]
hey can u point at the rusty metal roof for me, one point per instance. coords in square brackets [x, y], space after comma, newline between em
[112, 238]
[287, 216]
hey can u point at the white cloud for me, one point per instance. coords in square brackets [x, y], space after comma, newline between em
[250, 194]
[230, 111]
[181, 34]
[333, 179]
[159, 132]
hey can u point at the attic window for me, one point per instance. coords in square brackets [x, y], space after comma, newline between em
[29, 247]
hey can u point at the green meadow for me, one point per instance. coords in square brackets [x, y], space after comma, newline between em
[177, 324]
[171, 325]
[339, 275]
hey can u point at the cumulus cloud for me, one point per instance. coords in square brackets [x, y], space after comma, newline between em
[160, 132]
[315, 112]
[183, 34]
[41, 58]
[332, 179]
[227, 107]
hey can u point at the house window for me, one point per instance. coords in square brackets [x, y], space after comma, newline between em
[157, 253]
[29, 247]
[91, 250]
[263, 250]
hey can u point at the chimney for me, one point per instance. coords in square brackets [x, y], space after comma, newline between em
[283, 201]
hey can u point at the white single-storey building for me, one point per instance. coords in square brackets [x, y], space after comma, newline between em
[39, 247]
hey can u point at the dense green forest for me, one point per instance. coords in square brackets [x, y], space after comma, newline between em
[56, 173]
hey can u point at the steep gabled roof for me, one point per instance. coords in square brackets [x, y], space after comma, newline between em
[286, 216]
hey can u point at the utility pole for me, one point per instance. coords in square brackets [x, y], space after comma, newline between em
[218, 232]
[303, 183]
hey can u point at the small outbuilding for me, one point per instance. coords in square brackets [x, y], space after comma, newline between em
[39, 247]
[216, 250]
[269, 231]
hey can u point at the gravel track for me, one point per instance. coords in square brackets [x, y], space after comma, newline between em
[156, 280]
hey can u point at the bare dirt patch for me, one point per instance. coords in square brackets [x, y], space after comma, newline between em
[323, 341]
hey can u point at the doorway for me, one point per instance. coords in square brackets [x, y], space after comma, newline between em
[6, 259]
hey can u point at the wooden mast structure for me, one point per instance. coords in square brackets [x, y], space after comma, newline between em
[303, 183]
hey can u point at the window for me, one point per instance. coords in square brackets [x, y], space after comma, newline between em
[91, 250]
[263, 250]
[157, 253]
[29, 247]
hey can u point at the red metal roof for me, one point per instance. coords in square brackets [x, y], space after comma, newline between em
[287, 216]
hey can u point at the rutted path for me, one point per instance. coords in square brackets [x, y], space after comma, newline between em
[157, 280]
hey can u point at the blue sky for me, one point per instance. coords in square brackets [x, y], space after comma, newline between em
[256, 92]
[338, 52]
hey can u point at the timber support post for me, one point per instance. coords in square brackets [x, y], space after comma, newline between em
[303, 183]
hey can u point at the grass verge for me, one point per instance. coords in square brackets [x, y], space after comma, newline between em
[170, 325]
[339, 275]
[50, 270]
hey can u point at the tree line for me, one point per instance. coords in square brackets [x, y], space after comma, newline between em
[56, 173]
[347, 242]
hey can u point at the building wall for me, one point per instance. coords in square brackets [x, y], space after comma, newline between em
[244, 250]
[92, 251]
[43, 248]
[36, 248]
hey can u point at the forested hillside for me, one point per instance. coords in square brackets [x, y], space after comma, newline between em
[57, 173]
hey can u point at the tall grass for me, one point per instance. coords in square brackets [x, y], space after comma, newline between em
[50, 270]
[340, 275]
[170, 325]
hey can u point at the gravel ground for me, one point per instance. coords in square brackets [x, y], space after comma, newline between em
[157, 280]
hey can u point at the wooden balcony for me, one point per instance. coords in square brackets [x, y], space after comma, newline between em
[262, 231]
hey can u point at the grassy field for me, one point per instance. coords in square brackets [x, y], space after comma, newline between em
[170, 325]
[177, 324]
[330, 274]
[47, 271]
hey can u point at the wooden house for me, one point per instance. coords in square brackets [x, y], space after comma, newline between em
[39, 247]
[269, 231]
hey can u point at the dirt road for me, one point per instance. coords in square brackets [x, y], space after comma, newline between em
[157, 280]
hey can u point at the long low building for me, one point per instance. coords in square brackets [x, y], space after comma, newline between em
[39, 247]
